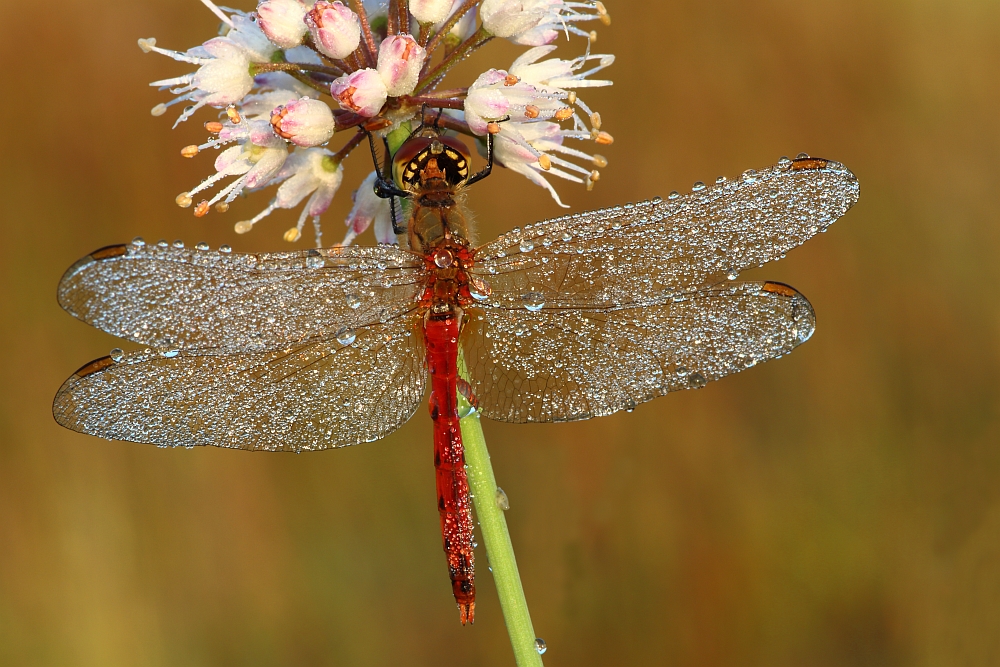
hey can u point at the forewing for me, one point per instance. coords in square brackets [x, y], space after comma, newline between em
[310, 396]
[561, 365]
[642, 253]
[172, 297]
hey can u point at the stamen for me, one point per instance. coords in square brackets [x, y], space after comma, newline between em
[222, 207]
[158, 110]
[602, 14]
[600, 161]
[189, 151]
[201, 210]
[592, 36]
[243, 226]
[572, 97]
[234, 115]
[604, 139]
[493, 128]
[544, 162]
[595, 120]
[563, 114]
[293, 235]
[510, 80]
[531, 111]
[214, 126]
[147, 44]
[218, 12]
[184, 200]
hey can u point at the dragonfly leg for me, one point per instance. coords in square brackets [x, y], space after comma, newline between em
[488, 169]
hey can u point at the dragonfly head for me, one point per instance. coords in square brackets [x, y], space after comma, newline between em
[430, 161]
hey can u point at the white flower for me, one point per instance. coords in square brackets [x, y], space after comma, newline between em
[336, 30]
[496, 95]
[430, 11]
[247, 34]
[528, 148]
[305, 122]
[370, 208]
[400, 58]
[282, 21]
[255, 160]
[538, 22]
[313, 171]
[362, 92]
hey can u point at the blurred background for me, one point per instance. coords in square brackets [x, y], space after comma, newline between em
[836, 507]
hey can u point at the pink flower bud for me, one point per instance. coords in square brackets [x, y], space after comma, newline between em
[282, 21]
[362, 92]
[336, 30]
[399, 61]
[430, 11]
[305, 122]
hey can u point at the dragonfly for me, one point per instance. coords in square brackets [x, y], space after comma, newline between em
[567, 319]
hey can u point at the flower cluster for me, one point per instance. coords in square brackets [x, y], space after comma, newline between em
[293, 75]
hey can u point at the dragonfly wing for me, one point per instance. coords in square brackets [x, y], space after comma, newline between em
[567, 364]
[172, 297]
[315, 395]
[636, 254]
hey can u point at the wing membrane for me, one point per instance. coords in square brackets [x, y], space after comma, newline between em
[561, 365]
[315, 395]
[644, 253]
[172, 297]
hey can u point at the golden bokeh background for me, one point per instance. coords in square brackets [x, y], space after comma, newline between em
[837, 507]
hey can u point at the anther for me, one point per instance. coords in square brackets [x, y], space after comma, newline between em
[222, 207]
[158, 110]
[602, 13]
[544, 162]
[234, 115]
[595, 176]
[147, 44]
[572, 97]
[493, 128]
[293, 235]
[243, 226]
[563, 114]
[595, 120]
[531, 111]
[190, 151]
[184, 200]
[510, 80]
[213, 126]
[599, 161]
[593, 36]
[604, 139]
[202, 209]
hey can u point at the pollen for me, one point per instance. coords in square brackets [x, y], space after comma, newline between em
[544, 162]
[493, 128]
[563, 114]
[184, 200]
[202, 209]
[510, 80]
[602, 13]
[213, 126]
[243, 226]
[293, 235]
[147, 44]
[190, 151]
[531, 111]
[599, 161]
[234, 115]
[158, 110]
[222, 207]
[604, 139]
[593, 36]
[595, 120]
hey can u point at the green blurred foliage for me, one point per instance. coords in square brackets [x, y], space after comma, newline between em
[837, 507]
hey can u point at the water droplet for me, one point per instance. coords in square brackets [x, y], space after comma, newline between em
[540, 645]
[696, 380]
[533, 301]
[526, 246]
[117, 355]
[178, 243]
[698, 187]
[673, 195]
[479, 289]
[202, 246]
[750, 175]
[681, 371]
[656, 200]
[170, 354]
[802, 156]
[720, 180]
[503, 502]
[353, 300]
[784, 160]
[315, 261]
[732, 274]
[162, 243]
[346, 336]
[137, 241]
[225, 249]
[567, 236]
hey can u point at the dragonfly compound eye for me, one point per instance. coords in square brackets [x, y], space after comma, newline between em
[424, 160]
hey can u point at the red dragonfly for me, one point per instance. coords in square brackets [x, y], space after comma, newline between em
[571, 318]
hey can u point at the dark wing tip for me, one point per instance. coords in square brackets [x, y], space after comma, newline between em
[62, 415]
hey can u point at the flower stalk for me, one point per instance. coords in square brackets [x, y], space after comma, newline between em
[491, 503]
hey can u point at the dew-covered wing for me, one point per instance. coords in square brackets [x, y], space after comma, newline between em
[643, 253]
[171, 297]
[561, 365]
[326, 393]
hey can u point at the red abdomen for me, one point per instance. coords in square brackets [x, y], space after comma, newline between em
[441, 339]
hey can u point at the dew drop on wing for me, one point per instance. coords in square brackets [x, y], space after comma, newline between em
[353, 300]
[178, 243]
[698, 186]
[533, 301]
[526, 246]
[346, 336]
[696, 380]
[117, 355]
[540, 645]
[169, 354]
[202, 246]
[315, 261]
[567, 236]
[225, 249]
[673, 195]
[138, 241]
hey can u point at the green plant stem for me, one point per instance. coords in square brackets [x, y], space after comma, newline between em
[499, 551]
